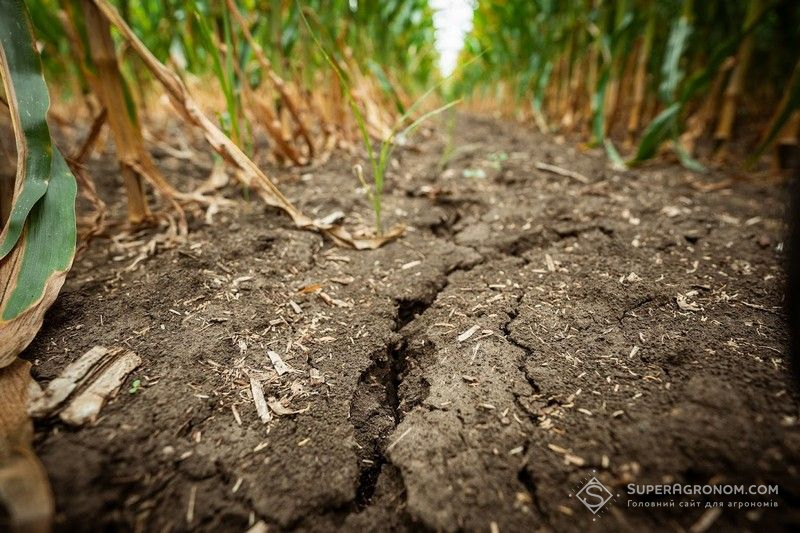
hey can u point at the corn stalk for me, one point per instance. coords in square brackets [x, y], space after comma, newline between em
[736, 83]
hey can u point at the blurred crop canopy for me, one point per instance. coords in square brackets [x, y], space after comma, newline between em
[646, 76]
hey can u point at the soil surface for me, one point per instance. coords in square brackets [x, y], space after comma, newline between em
[529, 332]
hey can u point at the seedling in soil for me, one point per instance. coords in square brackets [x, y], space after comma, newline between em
[474, 173]
[379, 159]
[497, 159]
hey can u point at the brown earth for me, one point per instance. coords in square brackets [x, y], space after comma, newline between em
[628, 328]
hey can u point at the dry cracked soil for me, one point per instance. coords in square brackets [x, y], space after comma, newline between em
[530, 331]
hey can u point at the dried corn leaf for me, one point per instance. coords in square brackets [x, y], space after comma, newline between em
[89, 381]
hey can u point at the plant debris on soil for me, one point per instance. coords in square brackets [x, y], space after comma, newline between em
[531, 330]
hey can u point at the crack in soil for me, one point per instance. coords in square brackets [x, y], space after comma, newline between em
[526, 479]
[379, 386]
[506, 329]
[382, 380]
[523, 474]
[374, 414]
[408, 309]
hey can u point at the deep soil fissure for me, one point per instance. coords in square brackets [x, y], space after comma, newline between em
[387, 371]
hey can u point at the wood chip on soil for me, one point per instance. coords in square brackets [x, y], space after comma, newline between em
[469, 333]
[333, 301]
[86, 405]
[684, 304]
[258, 398]
[551, 266]
[279, 409]
[259, 527]
[277, 363]
[62, 386]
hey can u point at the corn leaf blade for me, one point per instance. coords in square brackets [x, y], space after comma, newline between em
[657, 131]
[21, 58]
[35, 262]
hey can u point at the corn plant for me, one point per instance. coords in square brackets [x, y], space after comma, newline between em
[37, 243]
[270, 77]
[378, 159]
[642, 72]
[37, 246]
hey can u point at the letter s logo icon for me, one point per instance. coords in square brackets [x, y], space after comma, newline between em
[594, 495]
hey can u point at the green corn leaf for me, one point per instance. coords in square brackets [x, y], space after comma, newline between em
[49, 243]
[418, 122]
[670, 70]
[617, 163]
[657, 131]
[39, 240]
[541, 85]
[686, 158]
[221, 71]
[386, 85]
[21, 58]
[598, 108]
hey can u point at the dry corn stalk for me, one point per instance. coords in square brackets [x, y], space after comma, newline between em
[180, 98]
[267, 119]
[24, 490]
[727, 114]
[136, 165]
[277, 81]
